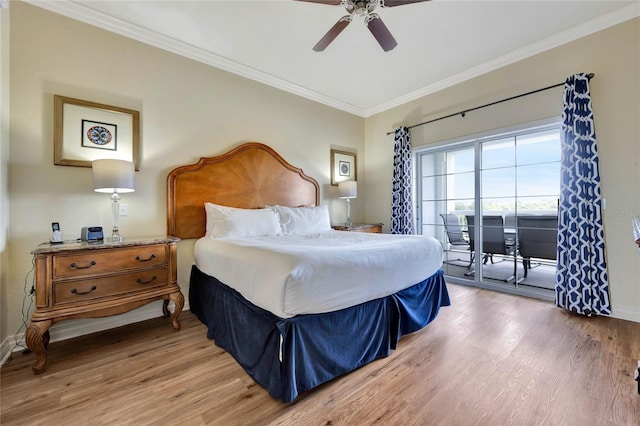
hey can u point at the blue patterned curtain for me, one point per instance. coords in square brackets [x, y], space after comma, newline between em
[581, 278]
[401, 204]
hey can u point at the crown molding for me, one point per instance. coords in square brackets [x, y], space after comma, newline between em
[589, 27]
[98, 19]
[82, 13]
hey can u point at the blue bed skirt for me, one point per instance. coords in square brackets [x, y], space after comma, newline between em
[317, 347]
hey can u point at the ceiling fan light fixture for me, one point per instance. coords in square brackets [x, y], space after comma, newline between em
[363, 8]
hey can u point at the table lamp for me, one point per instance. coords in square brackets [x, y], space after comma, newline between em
[348, 190]
[114, 177]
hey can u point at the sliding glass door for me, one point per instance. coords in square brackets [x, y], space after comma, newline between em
[482, 196]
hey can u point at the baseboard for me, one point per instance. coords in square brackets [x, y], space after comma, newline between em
[80, 327]
[626, 314]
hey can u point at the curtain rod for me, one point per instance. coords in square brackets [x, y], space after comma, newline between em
[464, 112]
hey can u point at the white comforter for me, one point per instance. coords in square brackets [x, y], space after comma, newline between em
[313, 273]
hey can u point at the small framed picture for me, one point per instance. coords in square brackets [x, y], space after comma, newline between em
[343, 166]
[99, 135]
[85, 131]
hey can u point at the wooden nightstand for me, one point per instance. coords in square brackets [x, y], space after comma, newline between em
[90, 280]
[373, 228]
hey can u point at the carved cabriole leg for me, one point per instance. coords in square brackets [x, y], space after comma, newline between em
[178, 299]
[45, 339]
[37, 339]
[165, 309]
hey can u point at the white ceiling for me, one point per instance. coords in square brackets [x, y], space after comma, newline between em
[440, 42]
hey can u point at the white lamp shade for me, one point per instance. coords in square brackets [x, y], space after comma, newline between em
[348, 189]
[113, 176]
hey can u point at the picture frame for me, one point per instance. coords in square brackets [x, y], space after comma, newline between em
[85, 131]
[343, 166]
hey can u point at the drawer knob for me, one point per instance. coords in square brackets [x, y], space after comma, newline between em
[74, 265]
[153, 256]
[80, 293]
[139, 280]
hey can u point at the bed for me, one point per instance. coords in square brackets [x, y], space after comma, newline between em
[299, 309]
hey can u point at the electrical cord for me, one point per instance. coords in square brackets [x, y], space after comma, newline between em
[28, 295]
[19, 342]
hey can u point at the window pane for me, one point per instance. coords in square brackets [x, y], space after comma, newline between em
[460, 160]
[499, 153]
[431, 212]
[460, 185]
[432, 164]
[462, 206]
[540, 147]
[498, 183]
[538, 204]
[539, 179]
[433, 188]
[434, 231]
[498, 206]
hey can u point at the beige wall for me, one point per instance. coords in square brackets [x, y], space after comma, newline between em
[188, 110]
[4, 161]
[614, 56]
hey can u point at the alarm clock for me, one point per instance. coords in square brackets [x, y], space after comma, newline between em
[91, 233]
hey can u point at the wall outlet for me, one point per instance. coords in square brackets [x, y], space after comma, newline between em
[124, 210]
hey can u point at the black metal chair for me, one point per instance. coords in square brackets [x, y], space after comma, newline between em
[537, 238]
[493, 241]
[455, 234]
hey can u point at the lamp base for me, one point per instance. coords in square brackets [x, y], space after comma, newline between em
[115, 212]
[115, 235]
[348, 222]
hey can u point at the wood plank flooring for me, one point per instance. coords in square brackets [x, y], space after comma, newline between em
[489, 359]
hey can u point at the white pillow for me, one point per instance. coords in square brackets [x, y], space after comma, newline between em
[216, 216]
[303, 220]
[231, 222]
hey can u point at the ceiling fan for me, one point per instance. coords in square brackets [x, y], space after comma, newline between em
[372, 20]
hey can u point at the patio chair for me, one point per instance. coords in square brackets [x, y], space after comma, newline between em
[493, 241]
[537, 238]
[455, 234]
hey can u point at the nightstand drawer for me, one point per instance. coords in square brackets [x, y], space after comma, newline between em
[93, 262]
[82, 290]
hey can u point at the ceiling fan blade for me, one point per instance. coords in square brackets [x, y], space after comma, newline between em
[332, 33]
[392, 3]
[381, 33]
[328, 2]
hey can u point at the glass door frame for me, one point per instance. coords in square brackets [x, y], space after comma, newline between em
[476, 142]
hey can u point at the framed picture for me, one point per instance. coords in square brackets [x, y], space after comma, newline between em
[343, 166]
[85, 131]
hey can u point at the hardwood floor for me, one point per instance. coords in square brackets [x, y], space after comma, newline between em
[488, 359]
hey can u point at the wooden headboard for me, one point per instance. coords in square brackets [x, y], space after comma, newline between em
[249, 176]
